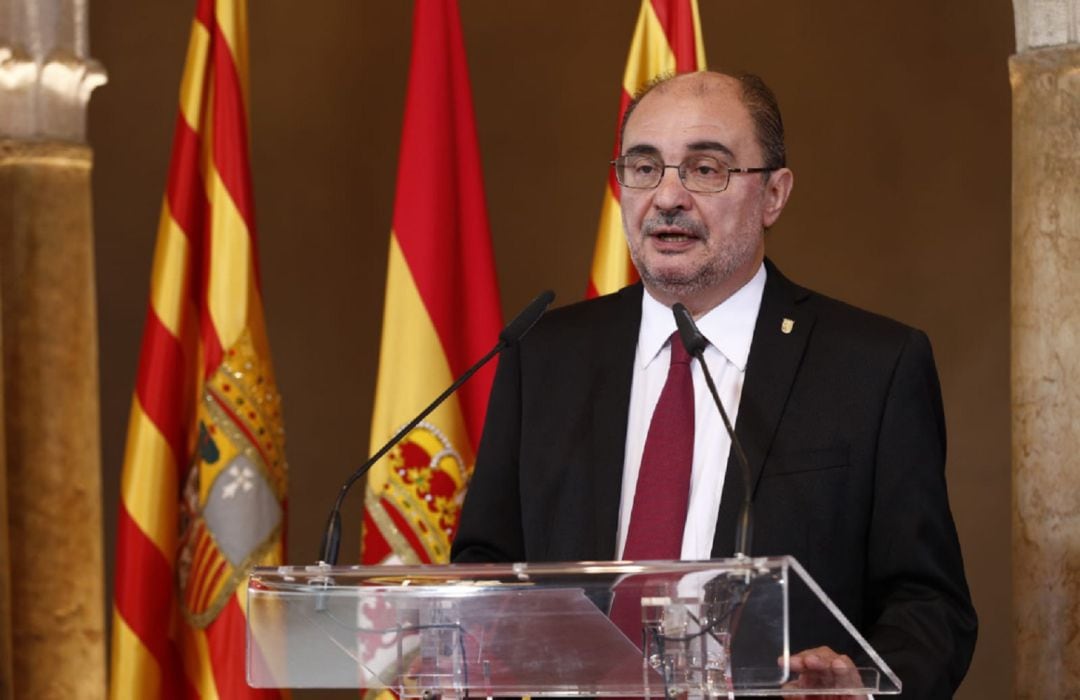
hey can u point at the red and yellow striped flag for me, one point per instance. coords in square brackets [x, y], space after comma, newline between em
[667, 39]
[442, 308]
[204, 480]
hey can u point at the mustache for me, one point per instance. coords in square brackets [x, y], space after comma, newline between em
[677, 219]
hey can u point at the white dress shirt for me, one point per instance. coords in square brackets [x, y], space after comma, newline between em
[729, 329]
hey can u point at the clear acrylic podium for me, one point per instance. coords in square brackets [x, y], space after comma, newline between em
[652, 629]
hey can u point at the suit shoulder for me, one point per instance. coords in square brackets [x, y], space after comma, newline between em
[861, 328]
[836, 318]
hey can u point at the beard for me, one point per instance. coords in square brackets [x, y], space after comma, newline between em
[724, 258]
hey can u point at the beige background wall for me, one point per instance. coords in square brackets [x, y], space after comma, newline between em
[899, 135]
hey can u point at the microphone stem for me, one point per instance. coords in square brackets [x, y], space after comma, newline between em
[416, 421]
[512, 333]
[330, 557]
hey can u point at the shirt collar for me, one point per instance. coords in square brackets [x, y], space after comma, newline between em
[729, 327]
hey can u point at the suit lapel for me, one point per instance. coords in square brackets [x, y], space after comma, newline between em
[776, 351]
[613, 374]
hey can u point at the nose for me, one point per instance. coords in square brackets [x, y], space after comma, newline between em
[670, 193]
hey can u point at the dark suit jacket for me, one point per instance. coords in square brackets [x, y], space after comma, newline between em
[841, 420]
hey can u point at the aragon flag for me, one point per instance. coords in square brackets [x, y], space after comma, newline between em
[667, 39]
[442, 308]
[204, 480]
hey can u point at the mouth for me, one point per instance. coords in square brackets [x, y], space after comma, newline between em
[673, 232]
[672, 239]
[673, 236]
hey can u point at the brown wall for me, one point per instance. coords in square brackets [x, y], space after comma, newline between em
[898, 123]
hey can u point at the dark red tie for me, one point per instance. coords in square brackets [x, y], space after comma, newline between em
[663, 484]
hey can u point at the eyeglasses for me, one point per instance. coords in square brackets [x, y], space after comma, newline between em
[697, 173]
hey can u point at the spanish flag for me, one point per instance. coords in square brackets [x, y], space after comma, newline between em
[204, 479]
[442, 308]
[667, 39]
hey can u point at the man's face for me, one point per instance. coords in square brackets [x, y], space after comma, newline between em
[698, 248]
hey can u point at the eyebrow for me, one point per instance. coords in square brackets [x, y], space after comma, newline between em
[646, 149]
[711, 146]
[642, 150]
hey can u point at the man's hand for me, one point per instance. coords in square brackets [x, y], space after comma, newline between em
[822, 668]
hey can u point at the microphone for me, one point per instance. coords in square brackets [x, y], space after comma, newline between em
[511, 334]
[695, 344]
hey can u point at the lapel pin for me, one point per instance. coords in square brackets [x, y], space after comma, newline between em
[786, 325]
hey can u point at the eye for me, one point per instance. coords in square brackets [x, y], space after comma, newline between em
[703, 167]
[643, 166]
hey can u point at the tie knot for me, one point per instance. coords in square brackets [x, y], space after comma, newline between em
[678, 350]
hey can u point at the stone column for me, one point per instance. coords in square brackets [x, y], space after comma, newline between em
[51, 596]
[1045, 77]
[7, 688]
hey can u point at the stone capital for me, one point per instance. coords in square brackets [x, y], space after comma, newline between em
[46, 74]
[1046, 23]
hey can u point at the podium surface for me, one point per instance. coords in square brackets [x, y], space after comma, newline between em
[719, 627]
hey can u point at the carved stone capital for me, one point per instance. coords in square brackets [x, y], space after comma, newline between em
[1046, 23]
[46, 76]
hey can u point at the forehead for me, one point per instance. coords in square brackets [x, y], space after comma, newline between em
[692, 110]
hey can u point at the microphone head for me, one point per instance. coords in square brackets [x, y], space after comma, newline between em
[692, 339]
[516, 329]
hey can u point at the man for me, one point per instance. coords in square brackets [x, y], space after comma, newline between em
[838, 410]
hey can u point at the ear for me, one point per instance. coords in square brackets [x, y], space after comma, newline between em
[777, 190]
